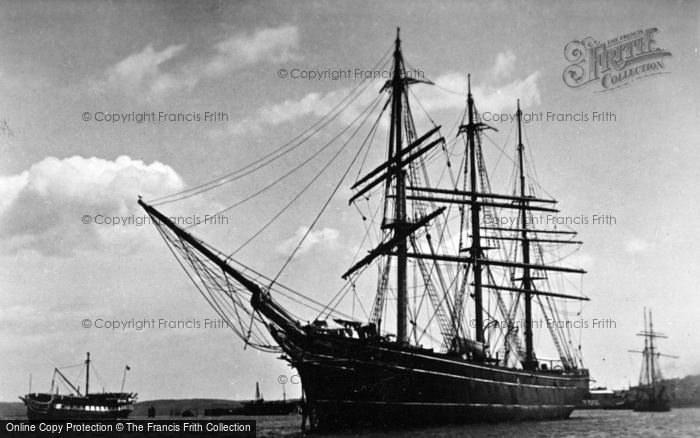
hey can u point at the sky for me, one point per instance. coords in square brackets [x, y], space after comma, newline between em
[68, 67]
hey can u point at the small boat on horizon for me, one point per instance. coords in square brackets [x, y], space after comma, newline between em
[259, 406]
[78, 405]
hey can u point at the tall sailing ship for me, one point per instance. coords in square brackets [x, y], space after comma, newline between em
[78, 405]
[651, 394]
[460, 346]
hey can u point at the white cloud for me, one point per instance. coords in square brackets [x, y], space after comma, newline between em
[140, 69]
[493, 92]
[144, 74]
[316, 104]
[504, 65]
[43, 207]
[313, 104]
[636, 245]
[271, 45]
[488, 97]
[326, 237]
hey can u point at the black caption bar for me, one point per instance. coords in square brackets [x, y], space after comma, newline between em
[131, 428]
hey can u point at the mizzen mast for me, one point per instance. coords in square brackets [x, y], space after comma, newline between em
[530, 362]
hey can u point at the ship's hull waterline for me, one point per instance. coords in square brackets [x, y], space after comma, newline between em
[75, 414]
[350, 382]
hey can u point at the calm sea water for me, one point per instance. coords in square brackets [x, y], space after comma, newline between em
[588, 423]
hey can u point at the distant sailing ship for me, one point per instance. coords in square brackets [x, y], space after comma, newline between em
[438, 248]
[652, 393]
[78, 406]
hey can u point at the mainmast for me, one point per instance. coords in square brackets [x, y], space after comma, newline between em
[475, 249]
[530, 362]
[395, 140]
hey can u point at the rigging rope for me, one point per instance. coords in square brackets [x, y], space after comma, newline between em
[335, 190]
[308, 185]
[193, 191]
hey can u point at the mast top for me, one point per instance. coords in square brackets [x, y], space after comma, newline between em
[469, 84]
[519, 115]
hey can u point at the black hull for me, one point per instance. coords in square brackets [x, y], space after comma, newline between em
[652, 406]
[269, 408]
[651, 400]
[350, 382]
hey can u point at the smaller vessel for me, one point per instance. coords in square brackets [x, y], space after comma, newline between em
[78, 406]
[652, 394]
[261, 407]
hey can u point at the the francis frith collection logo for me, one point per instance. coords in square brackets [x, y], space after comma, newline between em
[614, 63]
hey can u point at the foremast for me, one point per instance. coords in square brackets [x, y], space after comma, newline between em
[392, 173]
[399, 176]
